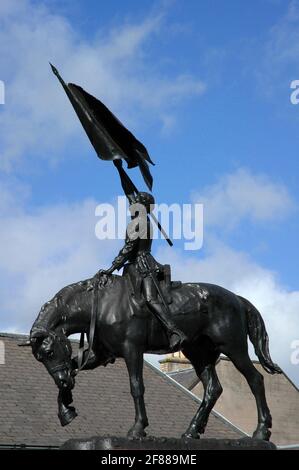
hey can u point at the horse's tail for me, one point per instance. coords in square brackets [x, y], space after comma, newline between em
[259, 337]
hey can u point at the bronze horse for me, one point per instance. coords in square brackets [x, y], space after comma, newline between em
[215, 321]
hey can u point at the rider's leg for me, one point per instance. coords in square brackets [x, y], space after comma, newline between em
[176, 336]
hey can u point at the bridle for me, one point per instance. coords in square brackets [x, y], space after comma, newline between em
[62, 366]
[59, 338]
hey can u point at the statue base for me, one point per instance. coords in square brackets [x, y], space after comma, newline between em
[163, 443]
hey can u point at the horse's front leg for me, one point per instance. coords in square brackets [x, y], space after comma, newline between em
[66, 413]
[134, 362]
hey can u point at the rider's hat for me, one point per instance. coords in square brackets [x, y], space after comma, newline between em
[146, 199]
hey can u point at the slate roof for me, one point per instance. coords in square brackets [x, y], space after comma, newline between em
[28, 402]
[185, 377]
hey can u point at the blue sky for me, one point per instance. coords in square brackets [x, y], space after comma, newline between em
[206, 86]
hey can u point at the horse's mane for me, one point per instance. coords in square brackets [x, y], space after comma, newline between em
[55, 305]
[58, 302]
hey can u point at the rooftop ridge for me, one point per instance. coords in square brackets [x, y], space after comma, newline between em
[221, 358]
[23, 336]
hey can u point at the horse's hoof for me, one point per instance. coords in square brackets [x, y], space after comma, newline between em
[262, 434]
[136, 434]
[67, 417]
[191, 435]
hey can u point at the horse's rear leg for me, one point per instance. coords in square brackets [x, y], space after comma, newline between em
[255, 380]
[204, 365]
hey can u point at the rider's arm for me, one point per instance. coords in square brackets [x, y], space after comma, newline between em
[123, 255]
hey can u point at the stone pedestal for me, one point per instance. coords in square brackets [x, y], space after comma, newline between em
[162, 443]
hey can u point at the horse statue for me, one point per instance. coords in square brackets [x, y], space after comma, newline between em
[214, 320]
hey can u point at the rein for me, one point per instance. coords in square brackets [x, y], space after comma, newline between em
[94, 311]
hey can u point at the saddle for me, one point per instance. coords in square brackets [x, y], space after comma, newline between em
[134, 281]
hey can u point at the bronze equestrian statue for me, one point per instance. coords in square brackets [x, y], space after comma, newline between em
[143, 311]
[212, 319]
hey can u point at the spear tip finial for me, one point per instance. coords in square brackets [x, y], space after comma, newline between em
[54, 69]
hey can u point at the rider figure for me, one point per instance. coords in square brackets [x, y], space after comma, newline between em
[137, 250]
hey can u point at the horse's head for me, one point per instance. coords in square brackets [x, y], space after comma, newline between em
[54, 350]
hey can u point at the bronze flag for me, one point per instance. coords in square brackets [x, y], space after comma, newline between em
[109, 137]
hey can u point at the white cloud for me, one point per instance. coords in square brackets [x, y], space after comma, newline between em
[37, 119]
[276, 64]
[282, 46]
[244, 195]
[42, 251]
[13, 196]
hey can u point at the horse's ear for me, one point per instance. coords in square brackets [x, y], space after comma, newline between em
[25, 343]
[48, 344]
[38, 333]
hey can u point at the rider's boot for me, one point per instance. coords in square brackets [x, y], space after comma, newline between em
[176, 336]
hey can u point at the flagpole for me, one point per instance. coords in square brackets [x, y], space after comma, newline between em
[169, 241]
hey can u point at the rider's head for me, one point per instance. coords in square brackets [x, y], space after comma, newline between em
[147, 200]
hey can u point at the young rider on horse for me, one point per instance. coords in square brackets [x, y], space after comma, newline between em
[137, 250]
